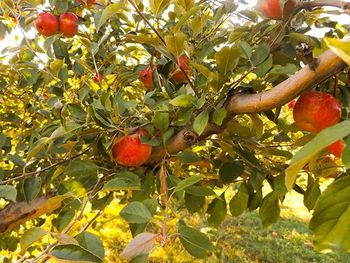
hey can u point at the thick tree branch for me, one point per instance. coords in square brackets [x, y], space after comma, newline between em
[319, 3]
[306, 78]
[329, 64]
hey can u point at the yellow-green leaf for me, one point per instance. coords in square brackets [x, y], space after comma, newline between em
[158, 6]
[312, 148]
[175, 43]
[227, 59]
[108, 12]
[340, 48]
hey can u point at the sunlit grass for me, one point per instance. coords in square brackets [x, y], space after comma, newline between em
[241, 239]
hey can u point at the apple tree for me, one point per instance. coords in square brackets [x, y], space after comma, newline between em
[175, 108]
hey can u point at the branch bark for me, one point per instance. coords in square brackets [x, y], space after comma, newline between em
[320, 3]
[306, 78]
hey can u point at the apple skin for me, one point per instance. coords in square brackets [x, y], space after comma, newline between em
[291, 104]
[336, 148]
[177, 74]
[146, 77]
[271, 8]
[47, 24]
[98, 77]
[68, 24]
[129, 151]
[315, 111]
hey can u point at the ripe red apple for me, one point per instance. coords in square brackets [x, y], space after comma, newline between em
[98, 77]
[272, 9]
[177, 74]
[315, 111]
[46, 24]
[291, 104]
[68, 24]
[336, 148]
[129, 151]
[145, 76]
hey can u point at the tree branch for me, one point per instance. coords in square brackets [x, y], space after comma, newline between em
[43, 169]
[320, 3]
[306, 78]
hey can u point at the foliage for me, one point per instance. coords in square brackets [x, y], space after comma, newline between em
[58, 125]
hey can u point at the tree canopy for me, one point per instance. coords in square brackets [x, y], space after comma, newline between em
[208, 84]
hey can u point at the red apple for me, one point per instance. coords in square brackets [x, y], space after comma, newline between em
[68, 24]
[46, 24]
[315, 111]
[336, 148]
[146, 77]
[129, 151]
[177, 74]
[98, 77]
[291, 104]
[272, 9]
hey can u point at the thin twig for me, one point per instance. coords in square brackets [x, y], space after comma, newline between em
[43, 169]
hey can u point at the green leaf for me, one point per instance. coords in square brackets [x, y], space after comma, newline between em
[270, 209]
[246, 49]
[258, 125]
[108, 12]
[200, 122]
[188, 156]
[31, 187]
[217, 210]
[199, 191]
[346, 152]
[260, 54]
[61, 49]
[195, 242]
[123, 181]
[82, 168]
[264, 67]
[183, 100]
[188, 182]
[175, 43]
[161, 120]
[219, 115]
[73, 253]
[186, 16]
[227, 59]
[72, 186]
[330, 221]
[37, 147]
[340, 48]
[8, 192]
[230, 171]
[136, 212]
[158, 6]
[91, 243]
[30, 236]
[312, 193]
[239, 201]
[313, 147]
[194, 203]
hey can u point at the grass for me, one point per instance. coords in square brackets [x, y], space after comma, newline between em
[242, 240]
